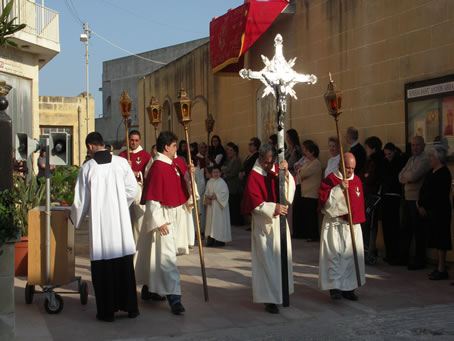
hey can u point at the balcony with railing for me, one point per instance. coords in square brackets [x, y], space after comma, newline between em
[41, 35]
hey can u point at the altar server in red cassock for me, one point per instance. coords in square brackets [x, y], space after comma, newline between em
[337, 267]
[165, 194]
[261, 199]
[139, 159]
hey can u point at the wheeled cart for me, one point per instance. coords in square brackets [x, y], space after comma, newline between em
[62, 259]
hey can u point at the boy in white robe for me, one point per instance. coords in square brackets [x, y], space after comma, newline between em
[105, 188]
[217, 228]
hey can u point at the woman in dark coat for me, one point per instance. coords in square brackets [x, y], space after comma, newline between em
[391, 201]
[434, 205]
[371, 177]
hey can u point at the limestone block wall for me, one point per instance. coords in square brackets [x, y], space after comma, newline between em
[58, 111]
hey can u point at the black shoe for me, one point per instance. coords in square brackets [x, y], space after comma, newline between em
[133, 314]
[105, 318]
[335, 294]
[416, 266]
[271, 308]
[218, 243]
[350, 295]
[177, 308]
[146, 295]
[439, 276]
[432, 272]
[210, 242]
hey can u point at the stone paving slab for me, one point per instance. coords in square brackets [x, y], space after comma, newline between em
[395, 304]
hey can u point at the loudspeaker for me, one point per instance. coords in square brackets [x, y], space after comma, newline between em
[58, 146]
[25, 146]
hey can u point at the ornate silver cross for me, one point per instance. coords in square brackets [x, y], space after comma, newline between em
[278, 74]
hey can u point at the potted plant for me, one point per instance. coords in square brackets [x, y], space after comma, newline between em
[25, 195]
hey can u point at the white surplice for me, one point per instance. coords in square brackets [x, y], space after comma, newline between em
[156, 264]
[217, 213]
[105, 192]
[337, 266]
[266, 248]
[200, 182]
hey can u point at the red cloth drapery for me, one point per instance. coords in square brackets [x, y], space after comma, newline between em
[232, 34]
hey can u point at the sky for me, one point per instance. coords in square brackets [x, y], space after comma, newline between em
[134, 25]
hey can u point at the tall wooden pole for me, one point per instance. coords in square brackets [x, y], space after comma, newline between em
[127, 139]
[347, 198]
[196, 214]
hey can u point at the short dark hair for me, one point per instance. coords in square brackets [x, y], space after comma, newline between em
[234, 147]
[212, 168]
[165, 138]
[273, 139]
[256, 142]
[135, 132]
[373, 142]
[311, 147]
[95, 139]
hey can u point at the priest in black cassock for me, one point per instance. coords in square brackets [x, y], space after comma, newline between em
[105, 189]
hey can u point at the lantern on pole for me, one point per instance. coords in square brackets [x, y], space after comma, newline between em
[125, 110]
[209, 124]
[154, 114]
[333, 101]
[183, 110]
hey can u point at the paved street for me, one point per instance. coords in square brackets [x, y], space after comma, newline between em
[395, 304]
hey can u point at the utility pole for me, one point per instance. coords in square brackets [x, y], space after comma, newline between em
[84, 38]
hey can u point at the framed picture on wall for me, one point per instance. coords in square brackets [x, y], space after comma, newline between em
[429, 109]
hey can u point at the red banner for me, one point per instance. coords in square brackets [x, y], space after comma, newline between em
[232, 34]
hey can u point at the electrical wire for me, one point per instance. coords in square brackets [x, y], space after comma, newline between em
[131, 53]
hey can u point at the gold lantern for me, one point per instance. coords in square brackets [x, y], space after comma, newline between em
[333, 99]
[154, 114]
[183, 107]
[125, 104]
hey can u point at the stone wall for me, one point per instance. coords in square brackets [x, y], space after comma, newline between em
[58, 111]
[372, 49]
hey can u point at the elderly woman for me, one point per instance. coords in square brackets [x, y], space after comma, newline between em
[231, 172]
[310, 177]
[333, 161]
[435, 206]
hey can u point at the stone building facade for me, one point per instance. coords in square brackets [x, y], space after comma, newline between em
[374, 50]
[68, 114]
[123, 74]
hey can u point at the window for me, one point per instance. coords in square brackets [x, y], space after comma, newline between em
[429, 108]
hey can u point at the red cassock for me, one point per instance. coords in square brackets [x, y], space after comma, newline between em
[260, 189]
[164, 185]
[355, 190]
[139, 160]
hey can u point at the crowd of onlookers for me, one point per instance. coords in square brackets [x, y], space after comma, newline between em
[408, 191]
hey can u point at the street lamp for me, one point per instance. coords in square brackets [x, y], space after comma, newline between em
[154, 114]
[84, 39]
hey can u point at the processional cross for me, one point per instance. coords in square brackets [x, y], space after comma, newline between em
[279, 79]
